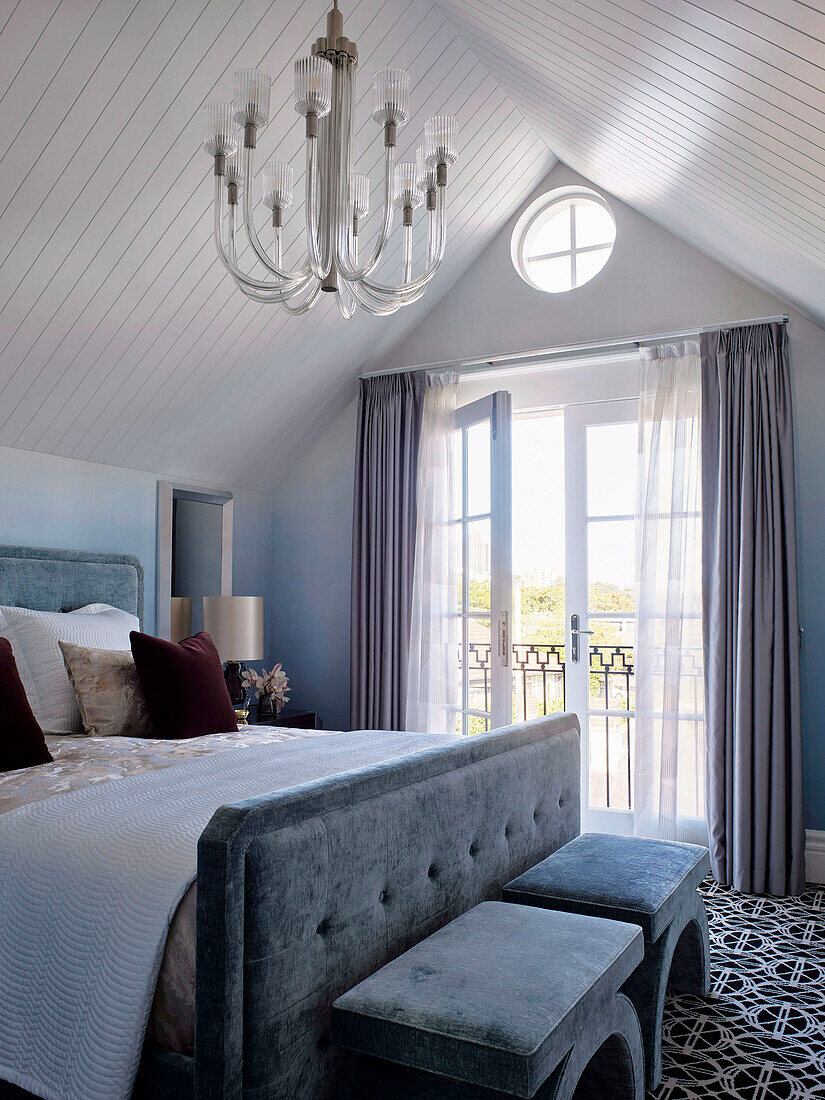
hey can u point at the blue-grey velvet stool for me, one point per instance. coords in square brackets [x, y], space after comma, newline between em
[651, 883]
[505, 1001]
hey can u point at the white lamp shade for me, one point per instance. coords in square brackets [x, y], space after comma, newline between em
[236, 626]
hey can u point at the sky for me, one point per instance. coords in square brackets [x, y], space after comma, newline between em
[538, 497]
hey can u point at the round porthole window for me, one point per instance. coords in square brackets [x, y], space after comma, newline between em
[563, 239]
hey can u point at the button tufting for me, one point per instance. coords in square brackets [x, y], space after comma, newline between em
[322, 928]
[382, 897]
[473, 849]
[431, 873]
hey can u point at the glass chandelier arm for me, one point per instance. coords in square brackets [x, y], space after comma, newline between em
[343, 210]
[406, 276]
[275, 292]
[371, 304]
[405, 291]
[252, 232]
[432, 239]
[318, 261]
[306, 305]
[347, 304]
[269, 300]
[342, 257]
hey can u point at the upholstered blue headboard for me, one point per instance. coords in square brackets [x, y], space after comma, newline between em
[63, 580]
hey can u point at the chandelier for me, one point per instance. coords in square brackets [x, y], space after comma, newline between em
[337, 199]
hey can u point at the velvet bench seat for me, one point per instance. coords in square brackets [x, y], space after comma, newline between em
[505, 1001]
[650, 883]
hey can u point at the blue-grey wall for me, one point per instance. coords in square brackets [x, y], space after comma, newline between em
[312, 555]
[51, 501]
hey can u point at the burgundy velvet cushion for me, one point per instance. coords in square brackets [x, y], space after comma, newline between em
[22, 744]
[183, 685]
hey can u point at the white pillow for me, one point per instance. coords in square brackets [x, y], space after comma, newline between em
[34, 637]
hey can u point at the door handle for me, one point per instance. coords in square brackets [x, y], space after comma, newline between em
[575, 634]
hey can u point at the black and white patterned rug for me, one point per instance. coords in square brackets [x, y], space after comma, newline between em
[761, 1033]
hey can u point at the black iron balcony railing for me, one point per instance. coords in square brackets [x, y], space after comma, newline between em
[538, 688]
[538, 675]
[538, 683]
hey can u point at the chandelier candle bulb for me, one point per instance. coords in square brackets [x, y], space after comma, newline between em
[441, 142]
[407, 193]
[278, 184]
[234, 178]
[391, 101]
[336, 199]
[219, 138]
[234, 172]
[424, 173]
[359, 190]
[359, 197]
[252, 92]
[313, 87]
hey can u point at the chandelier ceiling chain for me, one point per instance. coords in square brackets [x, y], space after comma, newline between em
[336, 199]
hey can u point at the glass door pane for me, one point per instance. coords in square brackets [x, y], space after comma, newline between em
[538, 563]
[600, 472]
[483, 496]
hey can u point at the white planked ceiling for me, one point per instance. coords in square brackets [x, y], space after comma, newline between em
[706, 115]
[122, 340]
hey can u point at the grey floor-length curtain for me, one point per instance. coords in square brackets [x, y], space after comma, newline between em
[390, 410]
[750, 612]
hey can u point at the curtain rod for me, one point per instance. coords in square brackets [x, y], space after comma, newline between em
[570, 351]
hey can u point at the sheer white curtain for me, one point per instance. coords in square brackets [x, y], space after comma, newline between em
[669, 753]
[433, 686]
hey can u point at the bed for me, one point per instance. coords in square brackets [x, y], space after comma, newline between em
[303, 890]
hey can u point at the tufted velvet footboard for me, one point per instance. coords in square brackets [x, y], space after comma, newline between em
[303, 893]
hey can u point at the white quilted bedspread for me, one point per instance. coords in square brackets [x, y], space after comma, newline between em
[89, 881]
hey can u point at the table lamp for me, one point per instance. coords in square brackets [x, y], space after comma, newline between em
[236, 626]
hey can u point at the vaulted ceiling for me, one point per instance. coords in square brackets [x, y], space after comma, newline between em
[706, 115]
[122, 340]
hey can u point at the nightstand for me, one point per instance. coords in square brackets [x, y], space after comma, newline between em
[290, 717]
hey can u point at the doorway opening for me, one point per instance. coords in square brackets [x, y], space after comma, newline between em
[570, 635]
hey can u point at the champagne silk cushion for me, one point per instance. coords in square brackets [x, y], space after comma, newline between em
[22, 744]
[107, 690]
[183, 686]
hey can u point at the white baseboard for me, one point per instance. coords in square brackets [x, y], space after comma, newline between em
[815, 855]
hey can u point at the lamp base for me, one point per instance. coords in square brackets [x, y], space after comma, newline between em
[233, 672]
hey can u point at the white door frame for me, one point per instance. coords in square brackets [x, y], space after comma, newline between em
[495, 409]
[577, 418]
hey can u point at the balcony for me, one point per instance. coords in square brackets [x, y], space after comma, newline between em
[539, 688]
[538, 677]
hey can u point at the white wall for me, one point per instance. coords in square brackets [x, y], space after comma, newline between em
[654, 282]
[72, 505]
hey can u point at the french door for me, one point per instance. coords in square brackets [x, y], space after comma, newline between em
[600, 460]
[482, 496]
[528, 659]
